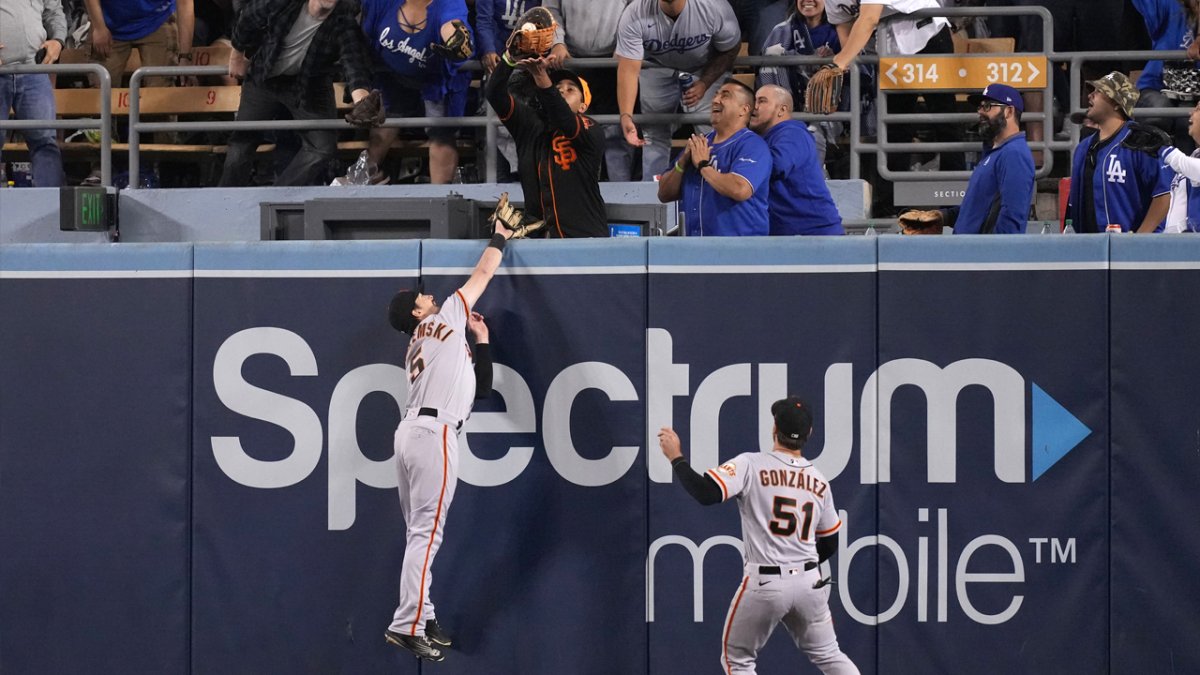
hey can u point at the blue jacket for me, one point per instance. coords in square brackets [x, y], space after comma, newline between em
[999, 193]
[495, 21]
[1166, 23]
[800, 202]
[1124, 183]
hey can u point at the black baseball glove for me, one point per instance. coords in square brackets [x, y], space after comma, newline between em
[368, 113]
[458, 46]
[1146, 138]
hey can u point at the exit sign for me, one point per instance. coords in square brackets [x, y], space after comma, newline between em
[962, 73]
[87, 208]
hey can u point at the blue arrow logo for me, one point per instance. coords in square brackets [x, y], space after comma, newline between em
[1055, 431]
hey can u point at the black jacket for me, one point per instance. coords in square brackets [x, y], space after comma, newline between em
[558, 158]
[262, 26]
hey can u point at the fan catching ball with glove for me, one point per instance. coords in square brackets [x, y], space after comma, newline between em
[534, 35]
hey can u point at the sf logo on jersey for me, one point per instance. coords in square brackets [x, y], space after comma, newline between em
[1114, 173]
[564, 152]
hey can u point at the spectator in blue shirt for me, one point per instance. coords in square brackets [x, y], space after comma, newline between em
[161, 31]
[1110, 183]
[1001, 188]
[495, 20]
[800, 202]
[723, 180]
[413, 78]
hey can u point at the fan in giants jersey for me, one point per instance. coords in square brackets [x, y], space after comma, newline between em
[788, 523]
[444, 378]
[559, 149]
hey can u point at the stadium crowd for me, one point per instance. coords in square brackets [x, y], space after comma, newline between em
[751, 171]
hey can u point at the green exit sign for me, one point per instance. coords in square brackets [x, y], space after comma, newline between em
[87, 208]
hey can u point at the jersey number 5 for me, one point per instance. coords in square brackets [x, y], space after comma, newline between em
[787, 518]
[416, 365]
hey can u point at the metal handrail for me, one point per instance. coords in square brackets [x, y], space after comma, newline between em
[104, 124]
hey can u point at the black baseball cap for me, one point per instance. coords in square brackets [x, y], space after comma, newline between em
[793, 418]
[400, 311]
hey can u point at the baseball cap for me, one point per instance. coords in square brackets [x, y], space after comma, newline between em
[401, 308]
[1117, 86]
[564, 74]
[1000, 93]
[793, 418]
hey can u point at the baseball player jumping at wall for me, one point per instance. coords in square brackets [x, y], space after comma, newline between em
[788, 527]
[442, 384]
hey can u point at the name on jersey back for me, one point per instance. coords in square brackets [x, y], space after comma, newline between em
[793, 479]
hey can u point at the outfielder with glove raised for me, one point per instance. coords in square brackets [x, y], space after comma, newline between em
[559, 149]
[1001, 188]
[444, 379]
[419, 46]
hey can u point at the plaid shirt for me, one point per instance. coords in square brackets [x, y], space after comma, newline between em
[263, 24]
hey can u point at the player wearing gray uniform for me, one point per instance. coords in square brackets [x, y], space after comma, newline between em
[442, 384]
[788, 523]
[696, 38]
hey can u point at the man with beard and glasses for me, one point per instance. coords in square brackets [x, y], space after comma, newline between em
[1000, 191]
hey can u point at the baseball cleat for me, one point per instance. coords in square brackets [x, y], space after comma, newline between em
[434, 633]
[417, 644]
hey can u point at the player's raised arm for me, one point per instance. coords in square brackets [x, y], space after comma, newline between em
[702, 488]
[489, 262]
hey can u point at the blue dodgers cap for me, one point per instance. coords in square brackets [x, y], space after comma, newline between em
[1001, 93]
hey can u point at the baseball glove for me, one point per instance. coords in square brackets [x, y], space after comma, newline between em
[514, 219]
[1146, 138]
[457, 47]
[534, 35]
[921, 222]
[824, 91]
[368, 112]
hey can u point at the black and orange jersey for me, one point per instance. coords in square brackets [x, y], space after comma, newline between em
[559, 154]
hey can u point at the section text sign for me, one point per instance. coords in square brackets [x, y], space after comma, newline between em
[962, 72]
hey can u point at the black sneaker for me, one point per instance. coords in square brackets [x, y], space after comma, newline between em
[434, 633]
[417, 644]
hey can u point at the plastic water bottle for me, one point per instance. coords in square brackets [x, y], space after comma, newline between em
[686, 80]
[360, 172]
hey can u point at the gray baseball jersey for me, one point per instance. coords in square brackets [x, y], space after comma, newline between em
[897, 33]
[441, 373]
[688, 42]
[441, 376]
[785, 504]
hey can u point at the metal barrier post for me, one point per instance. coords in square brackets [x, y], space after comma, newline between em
[104, 123]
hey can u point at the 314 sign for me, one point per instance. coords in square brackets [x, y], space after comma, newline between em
[959, 73]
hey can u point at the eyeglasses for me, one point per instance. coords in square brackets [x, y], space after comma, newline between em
[985, 106]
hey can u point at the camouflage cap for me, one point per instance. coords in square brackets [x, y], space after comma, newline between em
[1117, 86]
